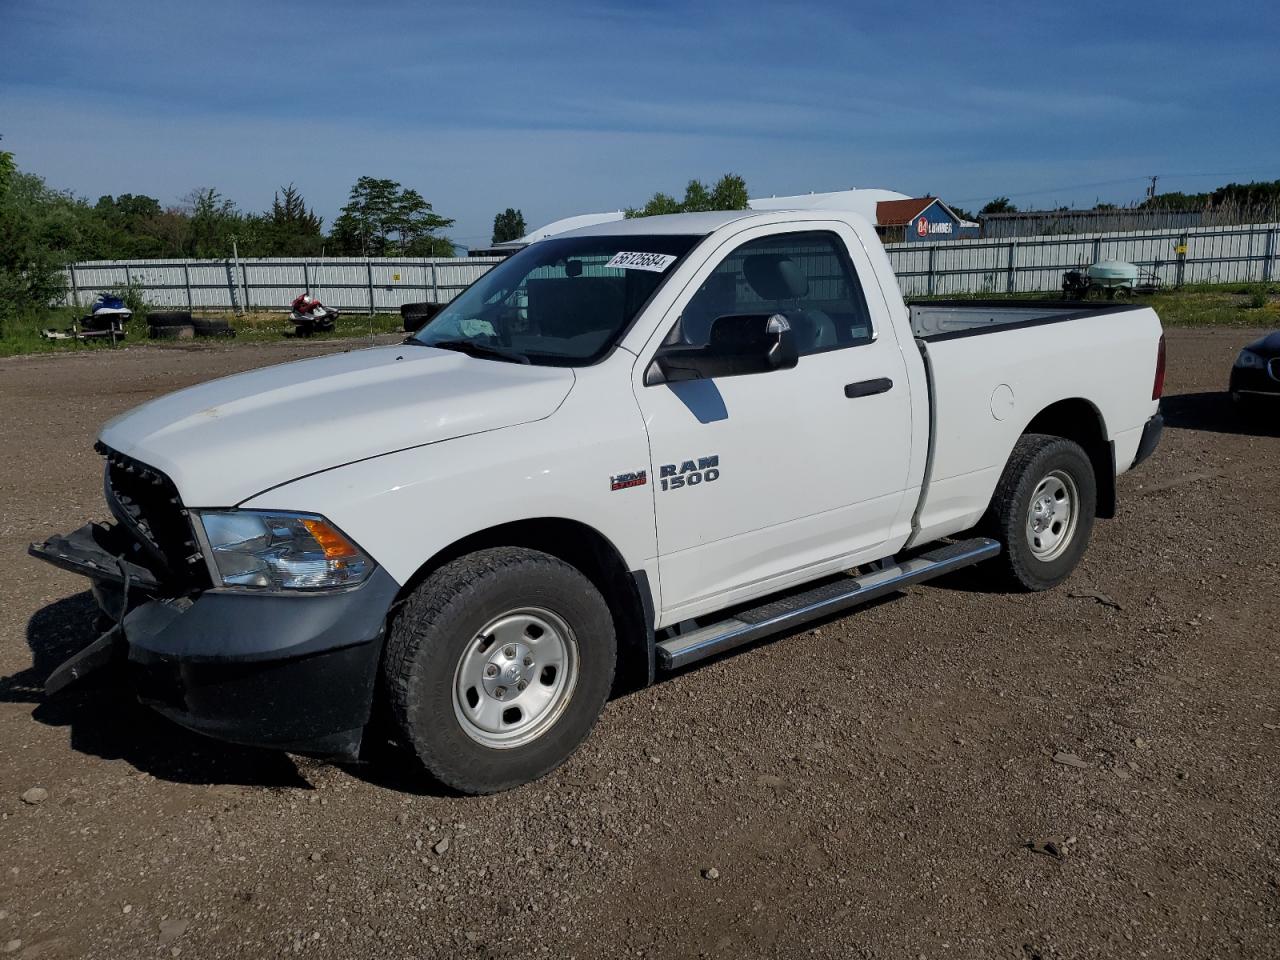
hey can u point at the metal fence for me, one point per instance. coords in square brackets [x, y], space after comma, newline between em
[1239, 254]
[372, 285]
[1042, 223]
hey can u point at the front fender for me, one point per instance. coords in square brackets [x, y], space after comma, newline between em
[405, 507]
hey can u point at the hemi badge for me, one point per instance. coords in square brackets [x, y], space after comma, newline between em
[624, 480]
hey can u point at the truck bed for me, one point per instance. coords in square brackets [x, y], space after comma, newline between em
[984, 391]
[933, 320]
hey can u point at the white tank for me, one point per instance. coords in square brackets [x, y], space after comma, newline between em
[1113, 272]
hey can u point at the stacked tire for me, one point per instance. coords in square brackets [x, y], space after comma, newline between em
[170, 325]
[212, 327]
[415, 315]
[181, 325]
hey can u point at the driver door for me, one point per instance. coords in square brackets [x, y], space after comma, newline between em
[768, 479]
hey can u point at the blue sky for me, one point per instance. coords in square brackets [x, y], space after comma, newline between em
[561, 108]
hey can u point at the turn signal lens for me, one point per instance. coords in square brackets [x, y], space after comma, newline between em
[335, 545]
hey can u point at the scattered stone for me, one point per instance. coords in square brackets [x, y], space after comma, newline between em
[13, 946]
[1271, 726]
[315, 858]
[441, 848]
[35, 795]
[1121, 774]
[171, 930]
[711, 873]
[127, 908]
[1070, 760]
[1046, 847]
[1139, 743]
[1102, 598]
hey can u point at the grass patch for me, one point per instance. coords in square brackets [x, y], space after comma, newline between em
[1222, 306]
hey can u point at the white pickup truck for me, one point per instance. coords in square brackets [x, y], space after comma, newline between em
[624, 449]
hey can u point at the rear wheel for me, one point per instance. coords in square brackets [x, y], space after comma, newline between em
[1043, 510]
[498, 666]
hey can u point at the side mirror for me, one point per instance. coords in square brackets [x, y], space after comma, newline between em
[740, 343]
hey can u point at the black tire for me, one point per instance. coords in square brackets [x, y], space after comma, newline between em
[415, 315]
[436, 629]
[212, 327]
[1063, 465]
[171, 331]
[168, 318]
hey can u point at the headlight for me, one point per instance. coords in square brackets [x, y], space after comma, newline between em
[281, 551]
[1248, 360]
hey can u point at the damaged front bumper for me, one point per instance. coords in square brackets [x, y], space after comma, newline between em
[288, 671]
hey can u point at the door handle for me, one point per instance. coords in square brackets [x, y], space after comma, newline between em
[868, 388]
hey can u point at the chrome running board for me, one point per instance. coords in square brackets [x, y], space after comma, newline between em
[796, 609]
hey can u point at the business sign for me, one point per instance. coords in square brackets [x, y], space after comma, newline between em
[924, 227]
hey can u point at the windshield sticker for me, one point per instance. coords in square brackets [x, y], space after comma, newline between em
[653, 262]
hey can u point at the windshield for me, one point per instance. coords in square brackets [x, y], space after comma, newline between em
[559, 302]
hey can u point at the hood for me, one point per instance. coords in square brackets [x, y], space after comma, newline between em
[224, 441]
[1268, 346]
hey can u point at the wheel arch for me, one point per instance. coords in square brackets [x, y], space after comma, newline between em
[628, 593]
[1078, 420]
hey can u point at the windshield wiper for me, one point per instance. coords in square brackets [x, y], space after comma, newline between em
[474, 348]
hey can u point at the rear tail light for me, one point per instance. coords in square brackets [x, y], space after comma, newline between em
[1157, 388]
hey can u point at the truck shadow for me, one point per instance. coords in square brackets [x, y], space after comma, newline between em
[1216, 413]
[105, 720]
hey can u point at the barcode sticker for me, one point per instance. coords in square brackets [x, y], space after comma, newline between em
[654, 262]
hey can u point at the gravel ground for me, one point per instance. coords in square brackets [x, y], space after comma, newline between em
[1086, 772]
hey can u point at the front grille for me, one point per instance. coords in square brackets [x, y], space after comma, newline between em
[146, 502]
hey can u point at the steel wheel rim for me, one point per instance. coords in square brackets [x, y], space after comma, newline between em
[515, 678]
[1052, 515]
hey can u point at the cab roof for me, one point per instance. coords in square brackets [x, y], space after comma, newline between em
[681, 224]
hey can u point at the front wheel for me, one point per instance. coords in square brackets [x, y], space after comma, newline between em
[498, 666]
[1043, 510]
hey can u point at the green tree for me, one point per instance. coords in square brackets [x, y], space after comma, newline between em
[508, 226]
[697, 198]
[382, 218]
[292, 228]
[729, 193]
[214, 223]
[37, 235]
[658, 204]
[124, 227]
[998, 205]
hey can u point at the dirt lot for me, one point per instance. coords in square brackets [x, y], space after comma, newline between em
[885, 814]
